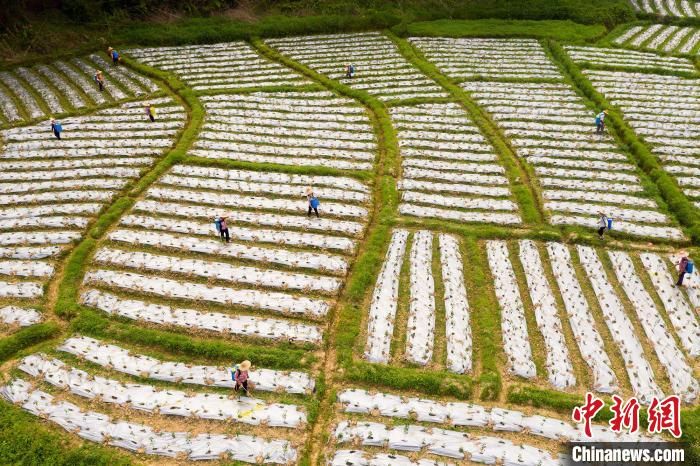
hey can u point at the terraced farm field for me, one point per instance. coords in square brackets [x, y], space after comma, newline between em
[410, 256]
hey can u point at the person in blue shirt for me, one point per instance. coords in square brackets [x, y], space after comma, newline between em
[114, 55]
[56, 128]
[313, 201]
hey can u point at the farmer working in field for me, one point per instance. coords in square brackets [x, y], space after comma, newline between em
[239, 374]
[600, 122]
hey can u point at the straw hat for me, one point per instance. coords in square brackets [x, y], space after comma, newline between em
[244, 366]
[309, 190]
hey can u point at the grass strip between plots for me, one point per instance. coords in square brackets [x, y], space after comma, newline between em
[551, 29]
[24, 440]
[26, 337]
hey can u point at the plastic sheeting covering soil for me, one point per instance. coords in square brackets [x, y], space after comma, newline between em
[471, 415]
[122, 360]
[516, 341]
[212, 321]
[677, 368]
[561, 372]
[97, 427]
[13, 315]
[638, 369]
[587, 336]
[170, 402]
[442, 442]
[385, 301]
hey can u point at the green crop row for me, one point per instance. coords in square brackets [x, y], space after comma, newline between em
[26, 337]
[92, 323]
[494, 28]
[25, 440]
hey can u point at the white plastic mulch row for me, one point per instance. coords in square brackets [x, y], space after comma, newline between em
[19, 268]
[235, 325]
[458, 330]
[231, 65]
[661, 38]
[241, 233]
[363, 458]
[488, 58]
[41, 89]
[558, 362]
[30, 252]
[25, 98]
[122, 360]
[382, 310]
[471, 415]
[415, 210]
[97, 427]
[286, 222]
[587, 336]
[682, 9]
[447, 162]
[664, 110]
[248, 298]
[9, 109]
[619, 58]
[442, 442]
[572, 163]
[420, 327]
[218, 202]
[638, 369]
[337, 182]
[63, 184]
[217, 270]
[13, 315]
[169, 402]
[289, 128]
[679, 372]
[24, 290]
[516, 343]
[380, 69]
[214, 247]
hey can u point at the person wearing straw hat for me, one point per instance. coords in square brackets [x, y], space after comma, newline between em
[100, 80]
[239, 374]
[313, 201]
[114, 55]
[151, 112]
